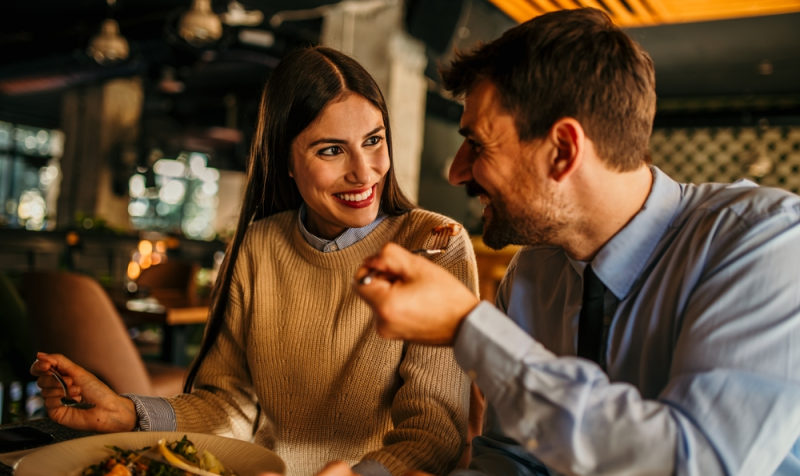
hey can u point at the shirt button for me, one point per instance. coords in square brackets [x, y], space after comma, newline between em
[472, 375]
[333, 247]
[531, 444]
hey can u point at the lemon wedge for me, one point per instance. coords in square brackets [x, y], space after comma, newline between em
[179, 461]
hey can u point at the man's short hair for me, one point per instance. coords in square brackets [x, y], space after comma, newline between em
[569, 63]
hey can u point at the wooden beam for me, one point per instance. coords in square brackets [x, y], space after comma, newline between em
[660, 8]
[688, 11]
[620, 14]
[519, 10]
[644, 12]
[651, 12]
[544, 5]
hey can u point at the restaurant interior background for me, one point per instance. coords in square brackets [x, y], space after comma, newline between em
[125, 128]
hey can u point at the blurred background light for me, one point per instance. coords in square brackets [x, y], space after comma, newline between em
[173, 192]
[169, 168]
[238, 16]
[200, 26]
[137, 186]
[108, 46]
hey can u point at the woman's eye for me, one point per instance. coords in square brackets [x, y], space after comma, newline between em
[374, 140]
[331, 151]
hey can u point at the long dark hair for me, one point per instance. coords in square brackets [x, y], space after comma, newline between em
[300, 87]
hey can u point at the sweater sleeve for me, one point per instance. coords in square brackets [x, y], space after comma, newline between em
[431, 408]
[224, 401]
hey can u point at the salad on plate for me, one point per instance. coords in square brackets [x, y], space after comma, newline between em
[177, 458]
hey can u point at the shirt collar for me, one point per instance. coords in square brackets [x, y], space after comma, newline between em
[620, 261]
[349, 237]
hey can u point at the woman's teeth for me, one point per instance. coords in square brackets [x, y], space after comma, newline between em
[355, 197]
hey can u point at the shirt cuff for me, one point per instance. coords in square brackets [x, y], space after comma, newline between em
[491, 348]
[155, 413]
[370, 467]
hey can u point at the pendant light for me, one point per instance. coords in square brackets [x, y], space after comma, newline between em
[200, 26]
[108, 46]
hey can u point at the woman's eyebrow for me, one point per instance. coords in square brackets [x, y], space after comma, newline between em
[326, 140]
[374, 131]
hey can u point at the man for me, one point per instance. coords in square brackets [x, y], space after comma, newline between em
[647, 326]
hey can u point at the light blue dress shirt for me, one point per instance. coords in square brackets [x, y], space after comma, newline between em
[702, 356]
[156, 414]
[348, 237]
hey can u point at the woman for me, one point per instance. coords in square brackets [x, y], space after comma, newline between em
[290, 356]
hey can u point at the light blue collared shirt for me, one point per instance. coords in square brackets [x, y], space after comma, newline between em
[349, 237]
[702, 355]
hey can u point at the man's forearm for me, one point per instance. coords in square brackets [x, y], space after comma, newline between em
[564, 411]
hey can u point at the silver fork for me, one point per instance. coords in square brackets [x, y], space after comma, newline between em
[420, 252]
[66, 400]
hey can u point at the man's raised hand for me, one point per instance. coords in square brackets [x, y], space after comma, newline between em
[413, 298]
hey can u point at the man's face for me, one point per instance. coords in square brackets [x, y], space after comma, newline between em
[511, 178]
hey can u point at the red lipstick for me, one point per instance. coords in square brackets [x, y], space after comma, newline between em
[357, 204]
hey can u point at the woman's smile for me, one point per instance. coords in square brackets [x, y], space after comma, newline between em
[360, 198]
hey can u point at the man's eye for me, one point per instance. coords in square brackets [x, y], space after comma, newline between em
[473, 145]
[374, 140]
[331, 151]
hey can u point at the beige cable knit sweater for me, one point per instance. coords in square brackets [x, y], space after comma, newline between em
[299, 343]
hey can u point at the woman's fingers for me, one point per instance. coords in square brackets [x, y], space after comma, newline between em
[47, 381]
[46, 362]
[64, 366]
[41, 366]
[53, 392]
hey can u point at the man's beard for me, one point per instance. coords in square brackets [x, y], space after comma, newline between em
[522, 226]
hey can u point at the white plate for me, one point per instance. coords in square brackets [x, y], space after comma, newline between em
[70, 458]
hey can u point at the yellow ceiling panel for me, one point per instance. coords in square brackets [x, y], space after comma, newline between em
[544, 5]
[654, 12]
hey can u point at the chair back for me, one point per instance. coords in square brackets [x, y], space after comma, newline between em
[172, 279]
[71, 314]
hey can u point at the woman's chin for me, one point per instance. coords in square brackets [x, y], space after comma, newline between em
[358, 217]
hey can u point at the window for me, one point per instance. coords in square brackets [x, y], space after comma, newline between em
[30, 175]
[177, 194]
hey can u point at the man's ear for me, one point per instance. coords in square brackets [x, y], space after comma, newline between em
[568, 140]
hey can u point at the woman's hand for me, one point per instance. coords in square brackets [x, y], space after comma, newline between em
[111, 413]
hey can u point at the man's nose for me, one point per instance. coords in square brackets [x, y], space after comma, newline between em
[461, 169]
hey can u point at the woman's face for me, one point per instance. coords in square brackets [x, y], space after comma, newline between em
[339, 163]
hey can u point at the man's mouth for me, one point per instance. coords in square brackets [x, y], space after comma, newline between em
[475, 190]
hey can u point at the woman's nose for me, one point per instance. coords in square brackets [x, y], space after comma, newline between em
[360, 171]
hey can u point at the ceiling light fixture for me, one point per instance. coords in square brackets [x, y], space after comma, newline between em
[200, 26]
[238, 16]
[108, 46]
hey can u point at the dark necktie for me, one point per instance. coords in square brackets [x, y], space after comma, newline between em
[590, 326]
